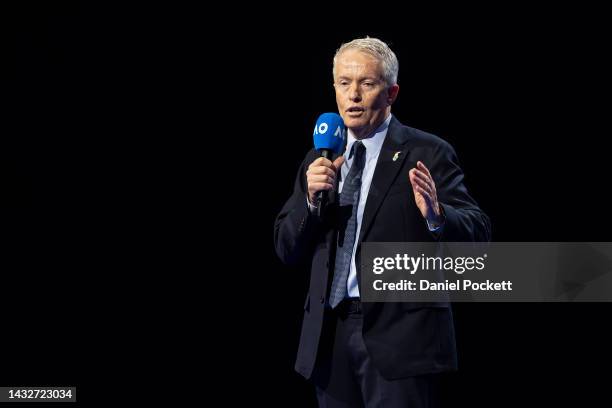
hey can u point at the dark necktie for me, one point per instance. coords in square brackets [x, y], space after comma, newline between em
[349, 202]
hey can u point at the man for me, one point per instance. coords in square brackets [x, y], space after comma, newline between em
[393, 183]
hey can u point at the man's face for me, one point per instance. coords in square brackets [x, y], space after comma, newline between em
[363, 97]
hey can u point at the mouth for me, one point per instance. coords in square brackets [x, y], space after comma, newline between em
[355, 110]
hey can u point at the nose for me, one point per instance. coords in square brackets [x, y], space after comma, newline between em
[354, 94]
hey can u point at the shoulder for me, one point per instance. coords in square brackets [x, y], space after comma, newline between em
[418, 139]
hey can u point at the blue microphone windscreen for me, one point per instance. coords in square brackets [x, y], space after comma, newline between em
[330, 133]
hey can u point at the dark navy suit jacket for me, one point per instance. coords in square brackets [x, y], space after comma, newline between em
[403, 339]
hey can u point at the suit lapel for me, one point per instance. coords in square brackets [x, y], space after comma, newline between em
[389, 164]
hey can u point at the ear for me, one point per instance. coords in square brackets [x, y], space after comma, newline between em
[392, 92]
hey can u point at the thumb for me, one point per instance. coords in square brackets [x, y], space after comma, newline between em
[338, 162]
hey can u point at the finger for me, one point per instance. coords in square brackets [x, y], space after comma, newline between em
[425, 194]
[320, 186]
[321, 170]
[419, 175]
[424, 186]
[338, 163]
[424, 168]
[316, 162]
[414, 176]
[321, 161]
[430, 186]
[321, 178]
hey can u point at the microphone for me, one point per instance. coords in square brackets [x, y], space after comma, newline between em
[329, 137]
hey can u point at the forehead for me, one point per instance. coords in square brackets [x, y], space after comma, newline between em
[356, 61]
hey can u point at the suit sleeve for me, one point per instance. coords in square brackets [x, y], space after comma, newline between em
[465, 221]
[296, 228]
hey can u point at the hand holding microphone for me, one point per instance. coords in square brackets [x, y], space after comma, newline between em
[329, 137]
[321, 176]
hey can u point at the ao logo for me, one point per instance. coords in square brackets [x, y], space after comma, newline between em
[322, 129]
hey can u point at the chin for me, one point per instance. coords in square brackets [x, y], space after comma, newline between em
[352, 123]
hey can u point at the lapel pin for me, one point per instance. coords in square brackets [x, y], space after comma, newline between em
[396, 156]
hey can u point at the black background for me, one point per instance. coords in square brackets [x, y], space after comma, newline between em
[148, 152]
[42, 330]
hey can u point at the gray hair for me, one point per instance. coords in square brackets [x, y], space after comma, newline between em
[379, 50]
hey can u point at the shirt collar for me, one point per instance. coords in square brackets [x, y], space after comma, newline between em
[373, 143]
